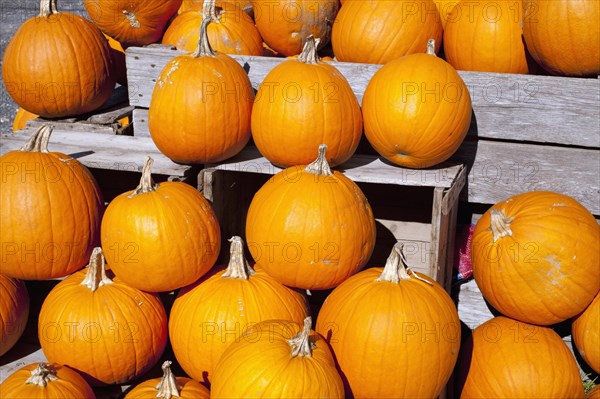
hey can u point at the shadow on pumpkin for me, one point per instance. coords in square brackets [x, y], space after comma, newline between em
[463, 363]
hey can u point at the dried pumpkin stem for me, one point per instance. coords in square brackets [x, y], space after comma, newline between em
[238, 266]
[320, 165]
[42, 375]
[133, 21]
[499, 224]
[431, 47]
[47, 8]
[167, 387]
[204, 49]
[96, 273]
[396, 268]
[38, 142]
[301, 345]
[309, 53]
[209, 9]
[147, 184]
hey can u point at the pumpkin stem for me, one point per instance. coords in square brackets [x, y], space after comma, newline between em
[167, 387]
[47, 8]
[209, 9]
[96, 273]
[147, 184]
[301, 345]
[309, 53]
[499, 224]
[238, 266]
[431, 47]
[133, 21]
[38, 142]
[204, 49]
[397, 269]
[42, 375]
[320, 165]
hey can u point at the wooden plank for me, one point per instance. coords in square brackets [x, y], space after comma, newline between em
[506, 106]
[140, 122]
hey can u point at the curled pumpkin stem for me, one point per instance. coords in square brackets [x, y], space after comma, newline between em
[499, 224]
[147, 184]
[204, 49]
[309, 53]
[238, 266]
[38, 142]
[96, 274]
[397, 269]
[431, 47]
[320, 166]
[301, 345]
[47, 8]
[42, 375]
[167, 387]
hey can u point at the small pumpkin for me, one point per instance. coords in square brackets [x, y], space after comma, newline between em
[43, 380]
[50, 211]
[21, 118]
[310, 227]
[142, 225]
[278, 359]
[395, 333]
[14, 310]
[586, 334]
[211, 314]
[67, 68]
[117, 54]
[201, 106]
[302, 103]
[169, 387]
[106, 330]
[416, 110]
[529, 263]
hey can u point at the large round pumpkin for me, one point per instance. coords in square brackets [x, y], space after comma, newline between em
[58, 64]
[301, 104]
[378, 31]
[486, 36]
[201, 106]
[416, 110]
[232, 30]
[43, 381]
[169, 387]
[563, 36]
[536, 256]
[50, 212]
[309, 227]
[132, 22]
[108, 331]
[211, 314]
[14, 310]
[505, 358]
[586, 333]
[21, 118]
[278, 359]
[395, 333]
[142, 226]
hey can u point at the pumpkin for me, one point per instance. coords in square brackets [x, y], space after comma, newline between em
[302, 103]
[106, 330]
[211, 314]
[142, 225]
[43, 380]
[310, 227]
[586, 333]
[529, 264]
[563, 36]
[169, 387]
[486, 36]
[66, 69]
[196, 5]
[286, 25]
[506, 358]
[14, 310]
[21, 118]
[416, 110]
[132, 22]
[232, 30]
[201, 106]
[378, 31]
[593, 393]
[445, 8]
[117, 54]
[50, 211]
[278, 359]
[395, 333]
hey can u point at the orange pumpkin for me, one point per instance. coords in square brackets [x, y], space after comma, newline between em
[445, 7]
[211, 314]
[132, 22]
[286, 25]
[196, 5]
[383, 320]
[510, 359]
[378, 31]
[118, 57]
[529, 263]
[232, 30]
[42, 381]
[201, 106]
[301, 104]
[278, 359]
[416, 110]
[309, 227]
[586, 334]
[21, 118]
[67, 68]
[563, 36]
[50, 211]
[169, 386]
[14, 310]
[486, 36]
[108, 331]
[593, 393]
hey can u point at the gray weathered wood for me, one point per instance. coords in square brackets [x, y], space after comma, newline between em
[140, 122]
[506, 106]
[110, 117]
